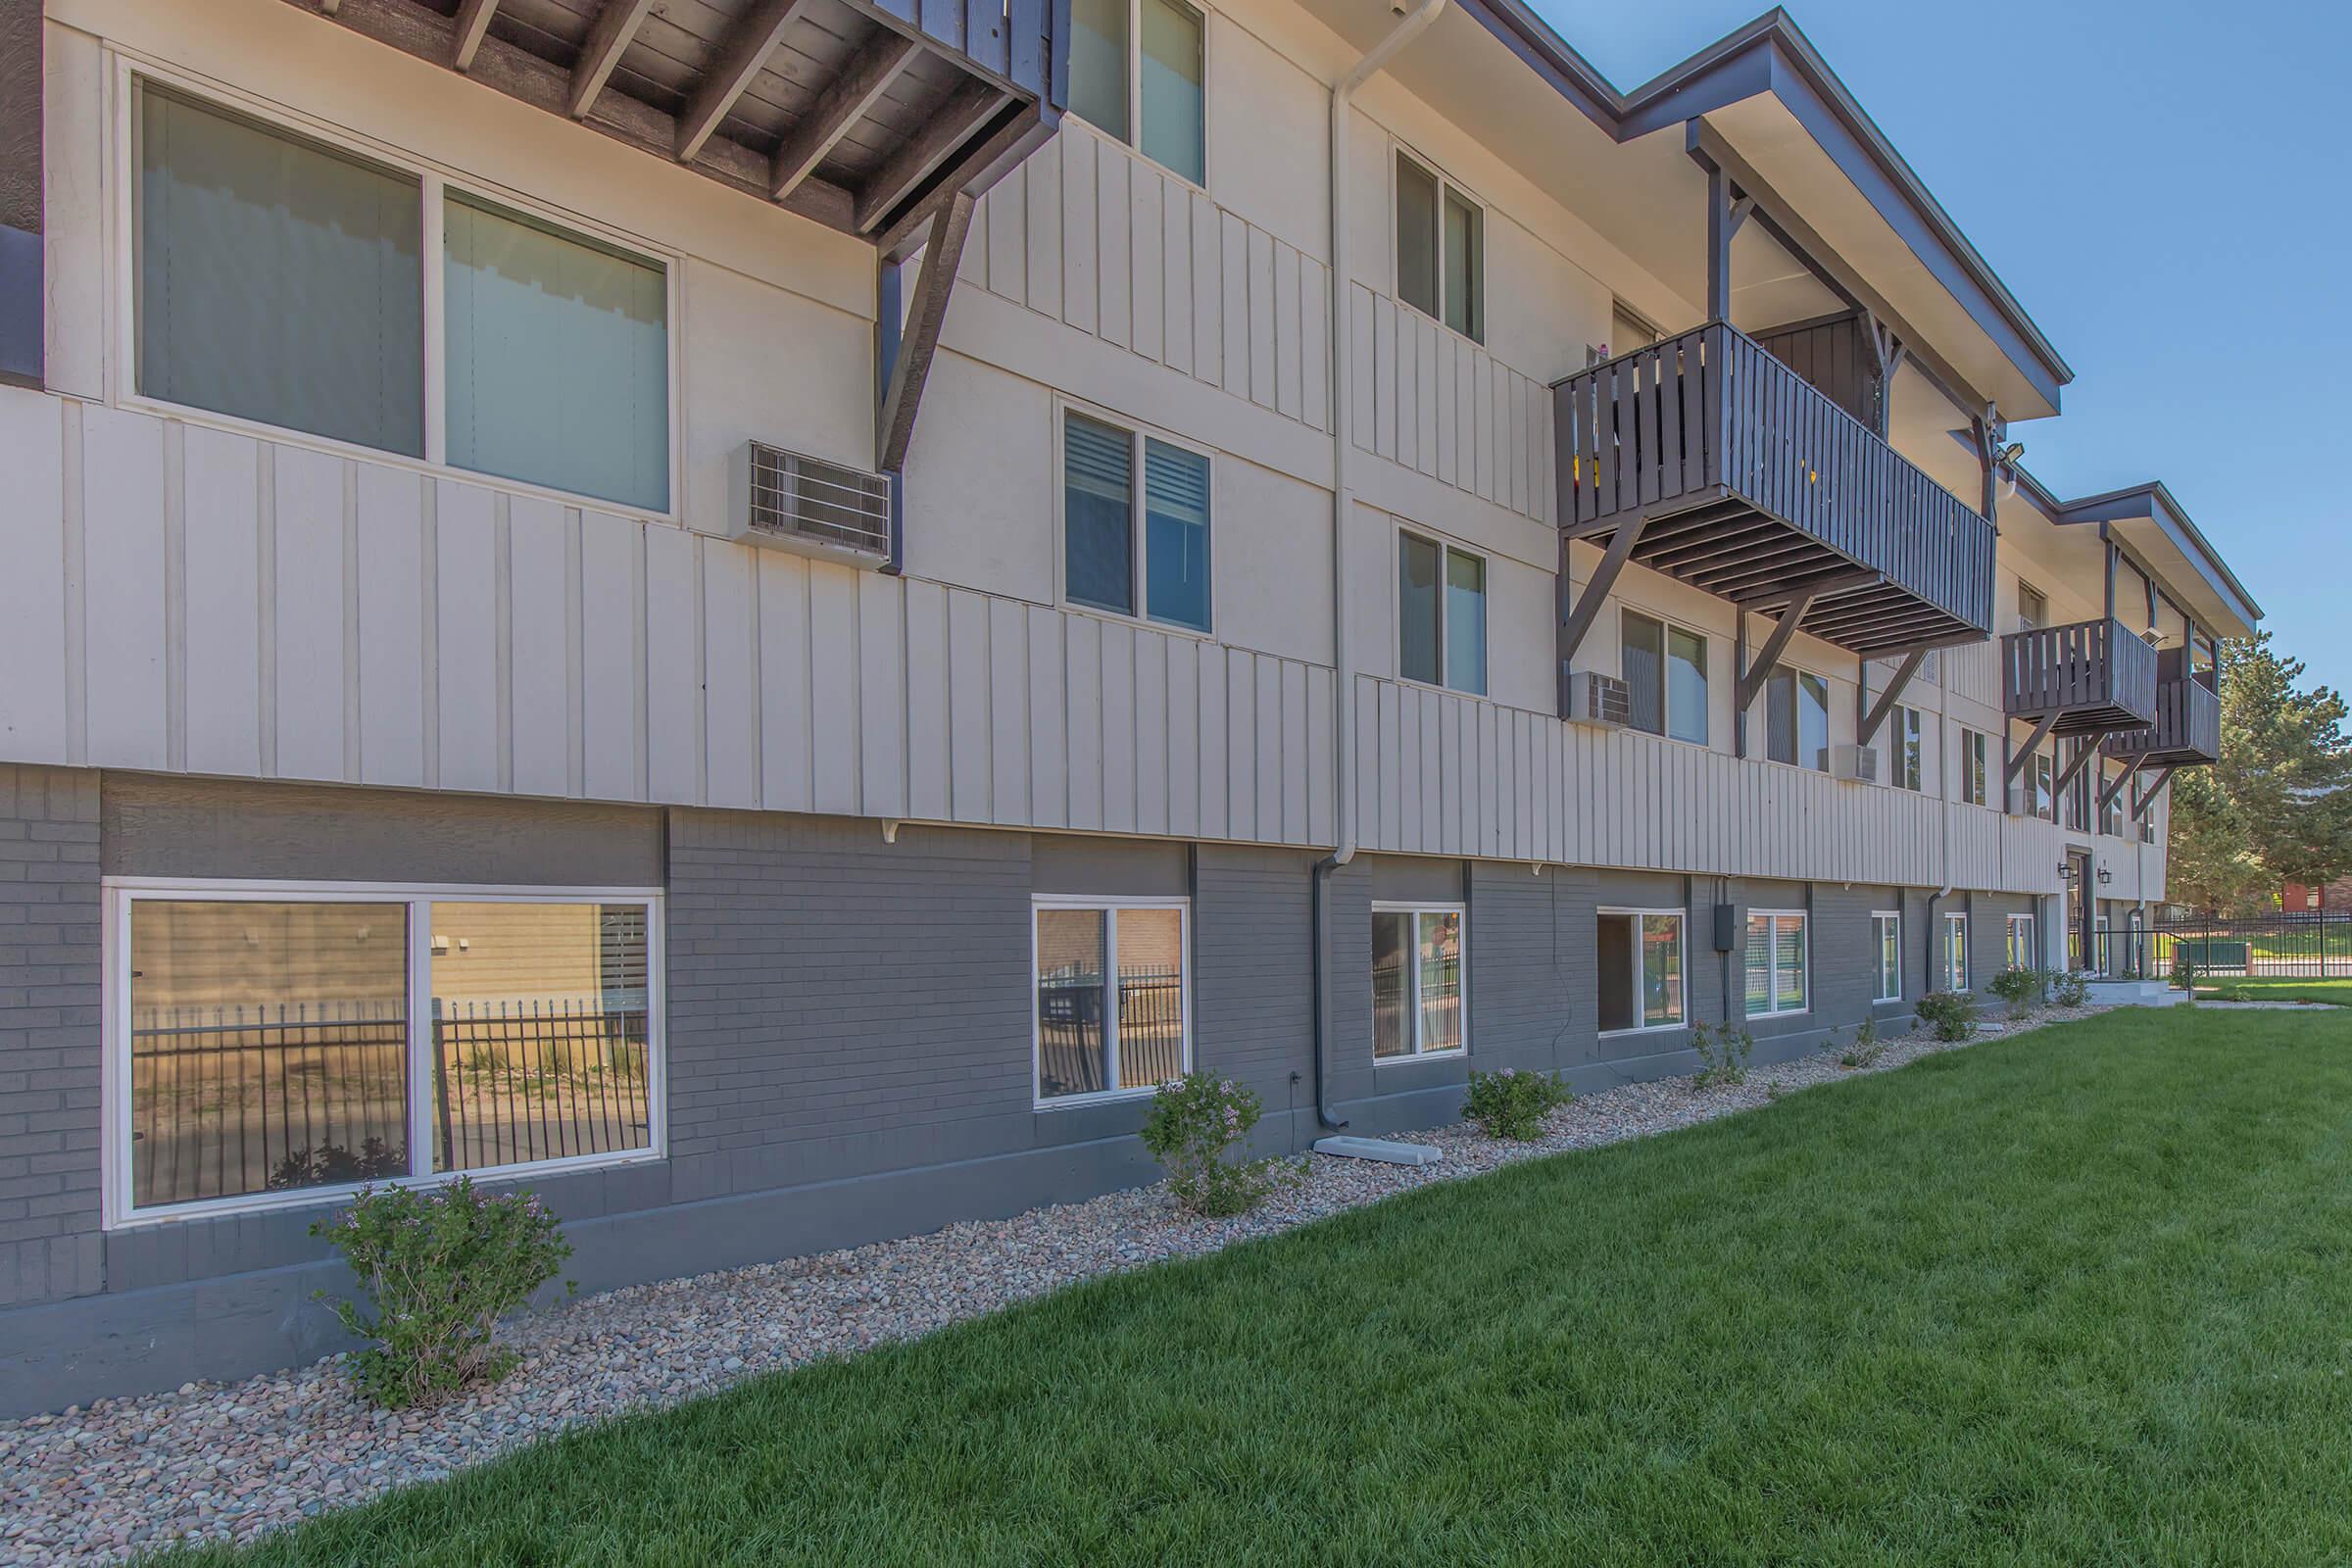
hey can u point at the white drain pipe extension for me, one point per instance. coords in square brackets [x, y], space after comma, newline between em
[1343, 506]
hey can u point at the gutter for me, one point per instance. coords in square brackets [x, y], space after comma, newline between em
[1343, 508]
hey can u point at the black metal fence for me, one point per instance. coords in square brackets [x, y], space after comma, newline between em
[2313, 947]
[227, 1101]
[1072, 1049]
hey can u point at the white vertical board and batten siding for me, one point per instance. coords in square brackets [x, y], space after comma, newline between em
[1431, 400]
[347, 621]
[1099, 238]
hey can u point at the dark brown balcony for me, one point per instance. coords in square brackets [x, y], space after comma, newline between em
[2187, 732]
[1741, 479]
[2092, 677]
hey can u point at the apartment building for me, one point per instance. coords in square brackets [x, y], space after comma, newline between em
[761, 613]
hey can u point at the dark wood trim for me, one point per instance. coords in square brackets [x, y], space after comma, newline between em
[2084, 750]
[2139, 806]
[1891, 696]
[903, 174]
[986, 162]
[2109, 789]
[1751, 681]
[616, 27]
[2017, 754]
[858, 87]
[942, 254]
[1578, 619]
[749, 43]
[472, 25]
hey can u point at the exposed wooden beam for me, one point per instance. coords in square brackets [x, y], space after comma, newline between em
[981, 165]
[857, 88]
[1760, 671]
[967, 110]
[739, 57]
[1887, 699]
[2086, 749]
[2139, 806]
[2017, 754]
[1579, 621]
[942, 255]
[1742, 206]
[608, 40]
[1803, 591]
[1719, 245]
[502, 66]
[2109, 789]
[473, 21]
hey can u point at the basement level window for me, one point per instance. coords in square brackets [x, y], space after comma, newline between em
[288, 1045]
[1113, 999]
[1418, 1005]
[1776, 962]
[1638, 958]
[1886, 938]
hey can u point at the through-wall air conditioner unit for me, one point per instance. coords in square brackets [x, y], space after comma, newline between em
[1601, 699]
[791, 501]
[1857, 764]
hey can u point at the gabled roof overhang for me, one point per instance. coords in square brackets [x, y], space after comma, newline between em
[1767, 92]
[2151, 524]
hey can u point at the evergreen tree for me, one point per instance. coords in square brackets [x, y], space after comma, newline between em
[2278, 808]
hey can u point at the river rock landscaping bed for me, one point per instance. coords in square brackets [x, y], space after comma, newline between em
[231, 1461]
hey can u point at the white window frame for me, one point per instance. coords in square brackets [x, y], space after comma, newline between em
[1906, 722]
[1109, 905]
[1681, 955]
[1797, 675]
[120, 894]
[1973, 741]
[1804, 922]
[1881, 921]
[435, 183]
[1446, 185]
[1133, 141]
[1140, 585]
[1412, 969]
[1954, 981]
[1667, 627]
[2032, 925]
[1446, 549]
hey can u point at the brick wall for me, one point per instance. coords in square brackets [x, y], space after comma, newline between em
[50, 1048]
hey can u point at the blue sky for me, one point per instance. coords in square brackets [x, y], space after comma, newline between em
[2162, 184]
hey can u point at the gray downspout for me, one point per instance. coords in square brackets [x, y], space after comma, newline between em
[1343, 503]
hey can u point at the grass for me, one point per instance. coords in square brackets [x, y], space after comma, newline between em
[2084, 1295]
[2335, 992]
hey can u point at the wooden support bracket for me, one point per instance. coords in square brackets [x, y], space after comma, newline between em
[1578, 619]
[942, 254]
[2017, 754]
[1758, 673]
[2139, 806]
[1887, 699]
[2089, 748]
[2116, 786]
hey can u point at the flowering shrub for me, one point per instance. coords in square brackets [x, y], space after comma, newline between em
[1723, 1054]
[2020, 988]
[1950, 1014]
[1511, 1104]
[1196, 1120]
[2070, 988]
[441, 1266]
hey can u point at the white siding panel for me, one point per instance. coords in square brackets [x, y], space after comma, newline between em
[882, 694]
[1049, 739]
[785, 668]
[469, 744]
[34, 659]
[927, 714]
[1082, 671]
[539, 700]
[673, 695]
[309, 614]
[222, 520]
[1008, 709]
[969, 732]
[392, 609]
[730, 678]
[833, 685]
[1118, 727]
[611, 650]
[123, 545]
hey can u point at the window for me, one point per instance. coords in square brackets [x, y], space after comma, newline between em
[1136, 67]
[1640, 958]
[2046, 799]
[2024, 945]
[1113, 1003]
[279, 1046]
[1628, 330]
[1776, 962]
[1105, 515]
[281, 281]
[1975, 780]
[2033, 609]
[1910, 728]
[1796, 719]
[2111, 806]
[2147, 825]
[1418, 1009]
[1666, 672]
[1955, 953]
[1440, 250]
[1441, 614]
[1887, 931]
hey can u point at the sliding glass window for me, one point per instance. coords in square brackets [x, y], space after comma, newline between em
[1639, 968]
[1113, 1001]
[1418, 1005]
[1776, 962]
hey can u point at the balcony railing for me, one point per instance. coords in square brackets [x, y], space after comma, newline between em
[1749, 481]
[2187, 732]
[2095, 676]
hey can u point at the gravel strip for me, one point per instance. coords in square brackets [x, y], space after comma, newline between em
[228, 1462]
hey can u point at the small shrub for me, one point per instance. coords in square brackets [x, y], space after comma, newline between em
[2070, 988]
[1950, 1014]
[1196, 1120]
[1723, 1054]
[2020, 988]
[1866, 1049]
[441, 1266]
[2185, 973]
[1511, 1104]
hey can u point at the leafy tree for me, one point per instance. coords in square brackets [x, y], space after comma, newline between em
[2277, 806]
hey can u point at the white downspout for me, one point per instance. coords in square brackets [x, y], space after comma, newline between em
[1343, 498]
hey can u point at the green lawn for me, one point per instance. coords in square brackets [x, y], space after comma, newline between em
[2227, 988]
[2081, 1295]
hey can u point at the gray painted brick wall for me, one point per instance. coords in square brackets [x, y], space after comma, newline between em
[49, 1034]
[1252, 1007]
